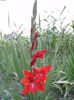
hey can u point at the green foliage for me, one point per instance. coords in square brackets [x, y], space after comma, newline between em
[70, 65]
[17, 65]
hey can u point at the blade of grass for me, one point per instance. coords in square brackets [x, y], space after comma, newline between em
[17, 65]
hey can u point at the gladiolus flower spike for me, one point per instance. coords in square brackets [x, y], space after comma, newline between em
[35, 79]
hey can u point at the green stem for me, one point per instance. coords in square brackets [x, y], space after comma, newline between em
[31, 57]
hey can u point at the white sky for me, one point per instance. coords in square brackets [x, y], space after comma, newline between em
[20, 12]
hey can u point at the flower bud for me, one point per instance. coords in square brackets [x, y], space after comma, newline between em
[33, 44]
[36, 34]
[31, 30]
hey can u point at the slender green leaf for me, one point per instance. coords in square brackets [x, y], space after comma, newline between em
[17, 65]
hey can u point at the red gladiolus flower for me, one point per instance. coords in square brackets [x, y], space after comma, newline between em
[31, 83]
[37, 54]
[36, 34]
[41, 72]
[33, 44]
[31, 30]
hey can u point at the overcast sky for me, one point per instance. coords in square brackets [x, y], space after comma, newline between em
[20, 12]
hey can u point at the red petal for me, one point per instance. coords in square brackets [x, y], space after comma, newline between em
[22, 81]
[26, 90]
[33, 87]
[40, 87]
[27, 73]
[36, 70]
[46, 68]
[25, 81]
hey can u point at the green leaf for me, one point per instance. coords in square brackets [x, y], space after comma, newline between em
[34, 13]
[14, 95]
[6, 57]
[17, 65]
[39, 23]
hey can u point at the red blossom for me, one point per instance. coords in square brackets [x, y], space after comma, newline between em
[41, 72]
[33, 44]
[31, 83]
[37, 54]
[36, 34]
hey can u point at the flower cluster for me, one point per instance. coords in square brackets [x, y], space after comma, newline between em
[31, 83]
[35, 79]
